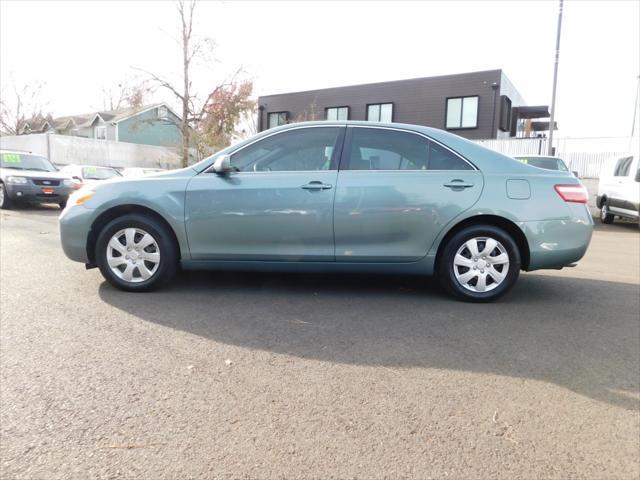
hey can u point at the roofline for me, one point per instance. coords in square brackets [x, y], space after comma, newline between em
[146, 110]
[380, 83]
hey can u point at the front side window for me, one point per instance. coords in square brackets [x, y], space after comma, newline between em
[462, 112]
[338, 113]
[277, 118]
[379, 149]
[380, 112]
[303, 149]
[100, 133]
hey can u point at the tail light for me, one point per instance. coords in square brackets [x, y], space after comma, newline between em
[572, 193]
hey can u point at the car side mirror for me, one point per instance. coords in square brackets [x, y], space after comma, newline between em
[575, 173]
[222, 164]
[638, 175]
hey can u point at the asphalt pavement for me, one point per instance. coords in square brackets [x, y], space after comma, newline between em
[247, 375]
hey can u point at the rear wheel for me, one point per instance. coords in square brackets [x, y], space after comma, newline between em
[62, 204]
[605, 215]
[479, 263]
[5, 201]
[136, 253]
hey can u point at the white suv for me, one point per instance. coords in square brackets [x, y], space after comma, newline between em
[619, 189]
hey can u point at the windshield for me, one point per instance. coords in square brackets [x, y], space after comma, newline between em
[26, 161]
[99, 173]
[549, 163]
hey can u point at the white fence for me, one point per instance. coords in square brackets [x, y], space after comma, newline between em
[586, 156]
[65, 150]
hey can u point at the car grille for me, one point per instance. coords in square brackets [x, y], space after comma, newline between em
[47, 183]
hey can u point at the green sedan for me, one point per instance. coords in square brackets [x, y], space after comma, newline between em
[336, 197]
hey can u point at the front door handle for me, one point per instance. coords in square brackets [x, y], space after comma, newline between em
[458, 184]
[316, 185]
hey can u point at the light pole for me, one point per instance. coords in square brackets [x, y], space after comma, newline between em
[555, 82]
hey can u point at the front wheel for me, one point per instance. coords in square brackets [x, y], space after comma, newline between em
[5, 201]
[605, 215]
[479, 263]
[136, 253]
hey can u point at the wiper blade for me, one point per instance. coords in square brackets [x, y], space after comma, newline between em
[37, 169]
[14, 168]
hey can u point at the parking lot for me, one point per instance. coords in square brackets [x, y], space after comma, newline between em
[315, 376]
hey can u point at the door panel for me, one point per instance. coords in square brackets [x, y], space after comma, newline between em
[261, 216]
[396, 191]
[395, 216]
[278, 206]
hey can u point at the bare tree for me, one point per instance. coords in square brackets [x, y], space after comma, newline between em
[212, 118]
[127, 94]
[20, 105]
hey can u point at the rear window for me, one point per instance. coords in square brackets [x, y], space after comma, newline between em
[548, 163]
[26, 161]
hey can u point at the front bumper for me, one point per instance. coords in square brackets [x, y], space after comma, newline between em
[36, 193]
[561, 242]
[75, 223]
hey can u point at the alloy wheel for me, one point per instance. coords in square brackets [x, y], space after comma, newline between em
[481, 264]
[133, 255]
[1, 195]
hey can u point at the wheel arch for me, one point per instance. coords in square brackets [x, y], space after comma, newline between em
[494, 220]
[117, 211]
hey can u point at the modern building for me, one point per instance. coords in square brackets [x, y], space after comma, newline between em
[149, 125]
[477, 105]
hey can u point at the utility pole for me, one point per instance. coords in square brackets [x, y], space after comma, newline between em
[555, 82]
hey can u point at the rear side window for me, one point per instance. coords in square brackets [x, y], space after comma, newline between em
[380, 149]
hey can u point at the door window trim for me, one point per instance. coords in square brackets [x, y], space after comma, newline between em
[346, 148]
[335, 156]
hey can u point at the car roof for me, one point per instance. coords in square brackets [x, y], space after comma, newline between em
[523, 155]
[8, 150]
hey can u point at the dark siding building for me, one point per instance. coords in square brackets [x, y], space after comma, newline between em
[474, 105]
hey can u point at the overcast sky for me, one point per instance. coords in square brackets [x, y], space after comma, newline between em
[78, 48]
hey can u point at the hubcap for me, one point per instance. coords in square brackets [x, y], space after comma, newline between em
[133, 255]
[481, 264]
[1, 194]
[604, 211]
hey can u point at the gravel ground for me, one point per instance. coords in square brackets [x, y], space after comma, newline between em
[310, 376]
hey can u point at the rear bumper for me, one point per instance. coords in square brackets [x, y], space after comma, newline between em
[559, 243]
[34, 193]
[75, 223]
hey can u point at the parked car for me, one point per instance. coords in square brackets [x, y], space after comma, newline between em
[619, 189]
[139, 172]
[26, 177]
[336, 196]
[544, 161]
[88, 174]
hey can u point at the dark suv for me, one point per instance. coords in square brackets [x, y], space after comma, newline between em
[26, 177]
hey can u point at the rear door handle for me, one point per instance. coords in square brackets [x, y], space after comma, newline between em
[458, 184]
[316, 185]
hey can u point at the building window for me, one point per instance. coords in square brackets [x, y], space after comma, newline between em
[100, 133]
[462, 112]
[338, 113]
[380, 112]
[277, 118]
[505, 113]
[163, 112]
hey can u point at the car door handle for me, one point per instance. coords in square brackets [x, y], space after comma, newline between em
[316, 185]
[458, 184]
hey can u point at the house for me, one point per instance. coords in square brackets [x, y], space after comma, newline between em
[154, 124]
[476, 105]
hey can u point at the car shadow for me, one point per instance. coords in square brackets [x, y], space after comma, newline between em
[583, 335]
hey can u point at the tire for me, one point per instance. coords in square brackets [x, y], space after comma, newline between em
[158, 261]
[463, 276]
[62, 204]
[5, 202]
[605, 215]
